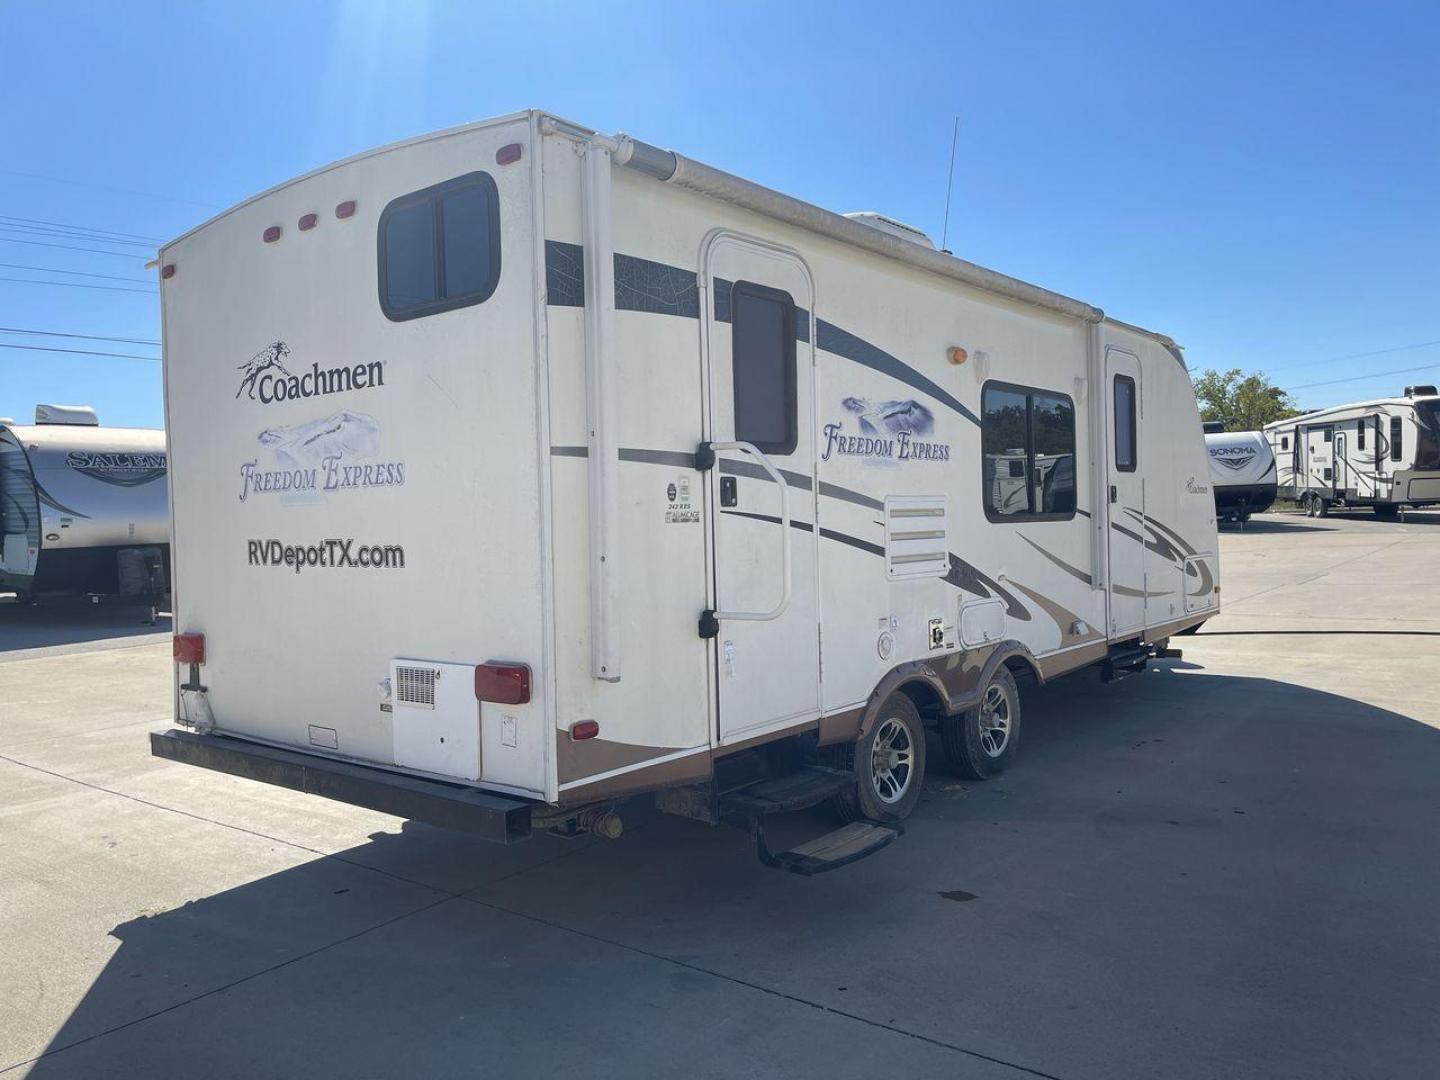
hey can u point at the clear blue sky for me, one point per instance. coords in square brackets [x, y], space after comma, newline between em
[1259, 180]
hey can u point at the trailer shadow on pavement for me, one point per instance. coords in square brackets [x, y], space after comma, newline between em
[55, 625]
[1228, 876]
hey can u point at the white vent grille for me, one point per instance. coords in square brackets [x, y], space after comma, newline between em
[917, 536]
[415, 686]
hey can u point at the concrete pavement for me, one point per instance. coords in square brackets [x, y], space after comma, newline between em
[1223, 867]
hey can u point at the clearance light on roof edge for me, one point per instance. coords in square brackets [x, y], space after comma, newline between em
[167, 271]
[309, 221]
[271, 234]
[509, 154]
[345, 209]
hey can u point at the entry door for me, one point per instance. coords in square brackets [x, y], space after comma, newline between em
[1124, 394]
[1342, 463]
[760, 375]
[1319, 462]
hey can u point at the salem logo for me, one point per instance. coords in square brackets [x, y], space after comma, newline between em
[265, 376]
[320, 457]
[888, 430]
[120, 469]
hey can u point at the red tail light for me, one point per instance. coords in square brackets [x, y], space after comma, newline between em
[504, 684]
[189, 648]
[584, 729]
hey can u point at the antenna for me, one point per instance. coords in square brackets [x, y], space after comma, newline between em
[950, 184]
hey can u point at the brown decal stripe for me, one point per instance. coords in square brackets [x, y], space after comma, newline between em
[587, 757]
[1064, 618]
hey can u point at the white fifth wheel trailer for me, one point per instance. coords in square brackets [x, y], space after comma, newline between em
[521, 469]
[1384, 454]
[82, 507]
[1242, 472]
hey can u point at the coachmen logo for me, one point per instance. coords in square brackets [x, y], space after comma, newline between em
[1233, 457]
[323, 456]
[889, 430]
[265, 376]
[121, 469]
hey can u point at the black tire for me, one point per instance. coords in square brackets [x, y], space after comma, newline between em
[1307, 505]
[874, 796]
[969, 738]
[1322, 507]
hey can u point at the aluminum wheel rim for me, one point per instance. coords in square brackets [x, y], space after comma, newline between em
[892, 761]
[994, 722]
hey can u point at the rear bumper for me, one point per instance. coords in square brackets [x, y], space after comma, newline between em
[449, 806]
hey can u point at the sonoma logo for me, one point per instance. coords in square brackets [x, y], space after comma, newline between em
[265, 376]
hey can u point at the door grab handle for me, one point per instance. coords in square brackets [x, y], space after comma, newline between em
[709, 620]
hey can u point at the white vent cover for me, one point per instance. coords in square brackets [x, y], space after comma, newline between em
[415, 686]
[890, 225]
[917, 536]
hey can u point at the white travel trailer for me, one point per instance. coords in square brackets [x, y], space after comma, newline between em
[522, 469]
[1384, 454]
[82, 507]
[1242, 472]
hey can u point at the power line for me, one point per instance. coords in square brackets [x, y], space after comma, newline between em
[68, 247]
[107, 187]
[81, 285]
[1359, 355]
[79, 273]
[80, 228]
[71, 234]
[87, 337]
[79, 352]
[1368, 375]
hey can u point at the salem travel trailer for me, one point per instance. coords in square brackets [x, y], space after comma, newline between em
[523, 469]
[82, 508]
[1242, 472]
[1384, 454]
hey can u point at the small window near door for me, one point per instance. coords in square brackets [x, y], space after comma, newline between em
[1329, 434]
[1360, 435]
[1396, 432]
[1124, 423]
[1284, 442]
[762, 328]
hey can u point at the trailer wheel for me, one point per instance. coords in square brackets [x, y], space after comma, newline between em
[1322, 506]
[889, 765]
[1307, 504]
[981, 742]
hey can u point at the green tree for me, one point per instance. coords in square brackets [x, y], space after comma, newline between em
[1241, 402]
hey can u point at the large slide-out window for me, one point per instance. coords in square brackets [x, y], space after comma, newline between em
[440, 248]
[1028, 454]
[1396, 432]
[762, 331]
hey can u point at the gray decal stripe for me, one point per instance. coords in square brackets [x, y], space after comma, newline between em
[55, 504]
[1074, 572]
[805, 526]
[642, 285]
[734, 468]
[831, 338]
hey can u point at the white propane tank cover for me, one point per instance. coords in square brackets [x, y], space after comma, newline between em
[82, 415]
[893, 227]
[6, 421]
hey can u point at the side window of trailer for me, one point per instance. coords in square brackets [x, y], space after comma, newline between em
[1360, 434]
[439, 248]
[1396, 433]
[1124, 423]
[1028, 453]
[762, 367]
